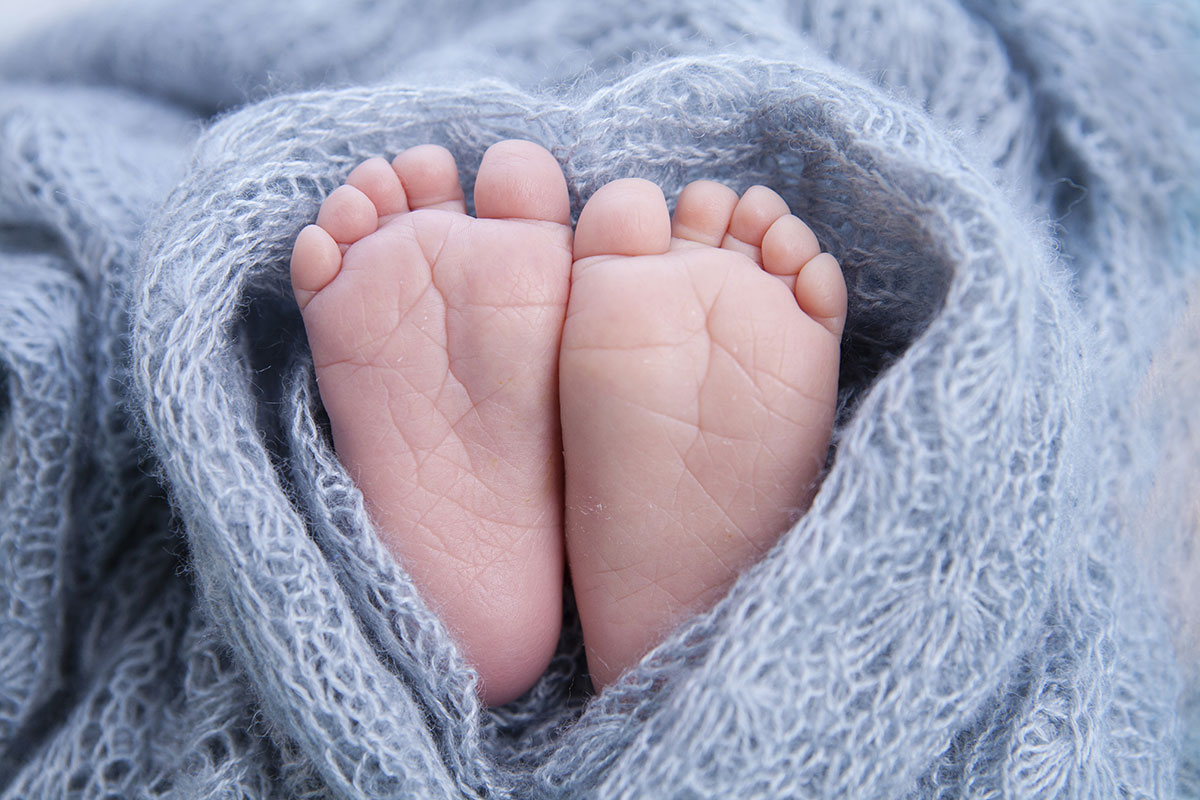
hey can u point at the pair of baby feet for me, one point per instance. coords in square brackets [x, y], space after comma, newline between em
[653, 400]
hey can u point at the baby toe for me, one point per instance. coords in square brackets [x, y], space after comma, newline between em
[703, 212]
[753, 216]
[316, 260]
[821, 292]
[787, 246]
[430, 178]
[348, 215]
[378, 181]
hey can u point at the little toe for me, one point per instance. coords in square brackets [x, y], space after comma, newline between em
[821, 292]
[752, 218]
[430, 178]
[378, 181]
[627, 217]
[521, 180]
[787, 246]
[316, 260]
[348, 215]
[703, 212]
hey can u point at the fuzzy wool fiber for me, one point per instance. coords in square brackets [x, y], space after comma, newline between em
[988, 597]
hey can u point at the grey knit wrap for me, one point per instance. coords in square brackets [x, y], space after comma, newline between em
[985, 597]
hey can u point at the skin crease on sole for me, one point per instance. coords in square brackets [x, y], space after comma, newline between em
[692, 429]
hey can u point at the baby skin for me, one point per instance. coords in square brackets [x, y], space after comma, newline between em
[649, 398]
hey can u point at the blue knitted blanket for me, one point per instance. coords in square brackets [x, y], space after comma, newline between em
[990, 594]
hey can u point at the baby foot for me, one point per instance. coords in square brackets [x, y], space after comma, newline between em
[435, 337]
[698, 381]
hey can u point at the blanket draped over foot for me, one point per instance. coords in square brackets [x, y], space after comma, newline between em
[985, 598]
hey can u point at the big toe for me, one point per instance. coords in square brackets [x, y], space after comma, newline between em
[521, 180]
[627, 217]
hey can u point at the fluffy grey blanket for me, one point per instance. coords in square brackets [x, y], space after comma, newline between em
[193, 602]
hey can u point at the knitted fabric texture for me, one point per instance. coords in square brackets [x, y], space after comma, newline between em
[195, 604]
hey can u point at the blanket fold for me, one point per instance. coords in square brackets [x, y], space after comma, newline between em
[960, 613]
